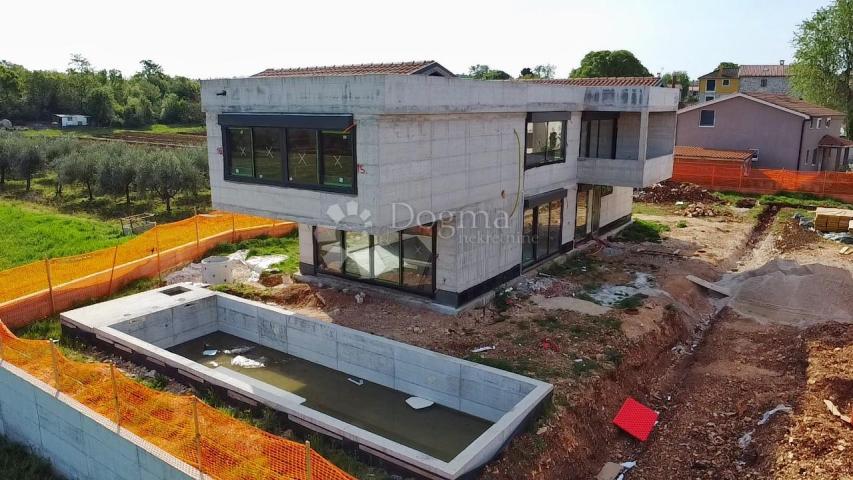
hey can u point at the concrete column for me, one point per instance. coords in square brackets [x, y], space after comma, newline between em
[644, 136]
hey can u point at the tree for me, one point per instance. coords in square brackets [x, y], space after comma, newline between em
[10, 147]
[823, 63]
[137, 112]
[165, 174]
[539, 71]
[98, 103]
[727, 65]
[483, 72]
[117, 172]
[81, 166]
[606, 63]
[678, 79]
[28, 161]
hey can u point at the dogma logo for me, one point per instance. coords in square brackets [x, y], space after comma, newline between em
[338, 213]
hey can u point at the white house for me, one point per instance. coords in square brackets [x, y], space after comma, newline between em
[406, 177]
[64, 120]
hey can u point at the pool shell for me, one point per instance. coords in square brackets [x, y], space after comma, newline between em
[145, 325]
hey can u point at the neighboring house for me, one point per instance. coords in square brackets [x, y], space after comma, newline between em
[441, 187]
[781, 131]
[765, 78]
[64, 120]
[722, 81]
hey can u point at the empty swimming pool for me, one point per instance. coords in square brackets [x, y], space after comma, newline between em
[340, 382]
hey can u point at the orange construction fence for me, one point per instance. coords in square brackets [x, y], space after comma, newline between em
[39, 289]
[220, 446]
[739, 177]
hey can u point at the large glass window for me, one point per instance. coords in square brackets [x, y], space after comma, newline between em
[330, 249]
[337, 159]
[541, 231]
[240, 152]
[417, 258]
[266, 144]
[302, 156]
[598, 138]
[404, 259]
[545, 143]
[298, 157]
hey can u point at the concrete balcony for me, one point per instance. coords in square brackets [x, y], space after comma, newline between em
[624, 173]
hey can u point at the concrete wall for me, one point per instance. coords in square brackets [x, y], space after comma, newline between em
[774, 85]
[80, 443]
[616, 205]
[661, 134]
[172, 326]
[469, 388]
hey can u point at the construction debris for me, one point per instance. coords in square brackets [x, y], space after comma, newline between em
[833, 219]
[835, 411]
[699, 210]
[671, 192]
[636, 419]
[773, 411]
[709, 285]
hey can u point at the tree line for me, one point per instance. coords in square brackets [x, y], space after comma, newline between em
[108, 168]
[148, 96]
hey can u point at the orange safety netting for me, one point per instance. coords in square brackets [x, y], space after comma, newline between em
[739, 177]
[38, 289]
[220, 446]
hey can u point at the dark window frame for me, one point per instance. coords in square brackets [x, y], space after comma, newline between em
[584, 146]
[285, 181]
[711, 81]
[713, 118]
[547, 117]
[400, 285]
[533, 204]
[763, 83]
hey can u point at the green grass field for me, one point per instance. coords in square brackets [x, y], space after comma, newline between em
[31, 232]
[84, 132]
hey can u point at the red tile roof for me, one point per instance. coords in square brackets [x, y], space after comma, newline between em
[830, 141]
[603, 81]
[401, 68]
[795, 104]
[711, 153]
[764, 71]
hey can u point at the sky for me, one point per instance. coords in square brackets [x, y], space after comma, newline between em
[213, 38]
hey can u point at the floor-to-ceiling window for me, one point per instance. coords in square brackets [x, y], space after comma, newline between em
[541, 228]
[598, 134]
[403, 259]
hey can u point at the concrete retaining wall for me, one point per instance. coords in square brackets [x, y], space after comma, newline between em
[80, 443]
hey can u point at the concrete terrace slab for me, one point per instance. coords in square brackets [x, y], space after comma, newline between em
[145, 325]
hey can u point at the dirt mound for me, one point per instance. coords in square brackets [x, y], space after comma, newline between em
[298, 295]
[700, 209]
[787, 293]
[671, 192]
[793, 236]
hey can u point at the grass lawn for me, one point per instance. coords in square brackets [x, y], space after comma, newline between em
[32, 232]
[88, 132]
[20, 463]
[642, 231]
[793, 199]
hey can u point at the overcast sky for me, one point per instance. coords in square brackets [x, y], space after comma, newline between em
[212, 38]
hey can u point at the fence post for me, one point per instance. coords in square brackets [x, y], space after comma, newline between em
[157, 243]
[307, 460]
[233, 230]
[49, 285]
[115, 395]
[113, 271]
[197, 236]
[197, 437]
[55, 364]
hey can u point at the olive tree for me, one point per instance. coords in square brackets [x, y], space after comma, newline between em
[166, 173]
[80, 166]
[10, 146]
[28, 161]
[117, 172]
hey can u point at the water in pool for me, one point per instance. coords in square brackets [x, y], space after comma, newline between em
[437, 431]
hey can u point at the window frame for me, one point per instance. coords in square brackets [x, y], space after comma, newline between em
[726, 82]
[547, 117]
[709, 80]
[828, 122]
[400, 285]
[714, 119]
[763, 83]
[285, 181]
[533, 203]
[755, 153]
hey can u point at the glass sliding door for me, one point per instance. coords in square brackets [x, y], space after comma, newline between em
[386, 257]
[330, 249]
[581, 214]
[541, 231]
[418, 258]
[358, 258]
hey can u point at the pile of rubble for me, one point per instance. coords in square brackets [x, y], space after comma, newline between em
[699, 210]
[670, 192]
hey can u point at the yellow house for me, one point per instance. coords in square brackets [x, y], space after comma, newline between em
[722, 81]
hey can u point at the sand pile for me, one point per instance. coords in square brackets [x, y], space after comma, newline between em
[785, 292]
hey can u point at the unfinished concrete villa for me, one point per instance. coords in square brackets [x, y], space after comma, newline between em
[405, 176]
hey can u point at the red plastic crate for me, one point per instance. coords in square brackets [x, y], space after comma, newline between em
[636, 419]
